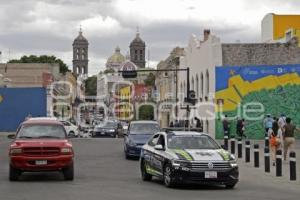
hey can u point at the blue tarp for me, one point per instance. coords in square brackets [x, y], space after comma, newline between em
[17, 103]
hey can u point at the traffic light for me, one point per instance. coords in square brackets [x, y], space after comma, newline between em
[191, 97]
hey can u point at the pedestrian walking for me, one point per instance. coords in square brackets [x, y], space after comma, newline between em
[275, 136]
[198, 122]
[289, 136]
[268, 122]
[240, 128]
[282, 121]
[226, 126]
[176, 123]
[171, 124]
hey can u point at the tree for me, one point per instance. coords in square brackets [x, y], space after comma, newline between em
[146, 112]
[108, 71]
[150, 80]
[91, 86]
[63, 68]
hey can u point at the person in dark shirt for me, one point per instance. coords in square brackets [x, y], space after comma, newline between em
[289, 136]
[240, 128]
[226, 126]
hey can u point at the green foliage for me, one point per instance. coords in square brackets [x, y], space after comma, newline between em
[146, 112]
[91, 86]
[150, 80]
[63, 68]
[107, 71]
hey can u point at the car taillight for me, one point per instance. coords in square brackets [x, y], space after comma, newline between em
[66, 150]
[15, 151]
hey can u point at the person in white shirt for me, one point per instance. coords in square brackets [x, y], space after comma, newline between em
[282, 121]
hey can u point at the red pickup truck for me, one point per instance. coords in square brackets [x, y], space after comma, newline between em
[41, 144]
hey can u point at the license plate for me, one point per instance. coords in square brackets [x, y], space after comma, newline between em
[41, 162]
[102, 133]
[211, 174]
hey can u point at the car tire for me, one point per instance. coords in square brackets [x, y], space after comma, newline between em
[69, 173]
[168, 177]
[14, 173]
[230, 186]
[127, 156]
[145, 175]
[71, 134]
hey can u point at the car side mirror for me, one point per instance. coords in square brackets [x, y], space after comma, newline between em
[159, 147]
[11, 136]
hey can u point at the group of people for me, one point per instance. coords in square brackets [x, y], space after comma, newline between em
[240, 127]
[196, 123]
[281, 133]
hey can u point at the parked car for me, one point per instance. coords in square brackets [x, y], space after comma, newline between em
[179, 157]
[137, 135]
[41, 145]
[106, 129]
[71, 129]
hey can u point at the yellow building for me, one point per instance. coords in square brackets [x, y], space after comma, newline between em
[125, 108]
[280, 27]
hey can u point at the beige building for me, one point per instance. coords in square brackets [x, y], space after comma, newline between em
[30, 74]
[167, 86]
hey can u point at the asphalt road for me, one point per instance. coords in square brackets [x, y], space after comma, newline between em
[102, 172]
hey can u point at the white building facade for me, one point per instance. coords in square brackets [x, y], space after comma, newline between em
[201, 56]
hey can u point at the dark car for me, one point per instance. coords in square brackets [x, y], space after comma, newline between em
[137, 135]
[41, 144]
[179, 157]
[106, 129]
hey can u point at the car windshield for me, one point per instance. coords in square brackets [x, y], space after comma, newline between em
[144, 128]
[108, 125]
[191, 142]
[41, 131]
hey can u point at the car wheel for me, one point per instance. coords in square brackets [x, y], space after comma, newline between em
[71, 134]
[69, 173]
[230, 186]
[145, 175]
[127, 156]
[168, 176]
[14, 174]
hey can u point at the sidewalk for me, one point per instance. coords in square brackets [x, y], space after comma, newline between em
[261, 170]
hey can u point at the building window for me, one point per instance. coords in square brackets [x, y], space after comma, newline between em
[207, 82]
[193, 84]
[197, 86]
[184, 89]
[202, 85]
[207, 126]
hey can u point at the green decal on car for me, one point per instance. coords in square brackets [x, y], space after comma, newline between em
[183, 154]
[224, 154]
[150, 170]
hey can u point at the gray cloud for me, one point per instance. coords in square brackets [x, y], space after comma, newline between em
[49, 26]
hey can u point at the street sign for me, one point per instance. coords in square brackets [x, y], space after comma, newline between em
[129, 74]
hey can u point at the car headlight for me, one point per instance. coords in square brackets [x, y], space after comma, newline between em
[232, 161]
[66, 150]
[177, 163]
[111, 130]
[131, 143]
[15, 151]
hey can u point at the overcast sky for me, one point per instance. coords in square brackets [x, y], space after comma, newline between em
[50, 26]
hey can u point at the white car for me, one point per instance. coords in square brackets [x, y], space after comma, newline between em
[71, 129]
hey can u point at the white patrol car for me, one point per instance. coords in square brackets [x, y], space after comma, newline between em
[187, 157]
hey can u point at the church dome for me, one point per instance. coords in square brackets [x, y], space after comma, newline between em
[116, 59]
